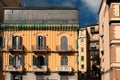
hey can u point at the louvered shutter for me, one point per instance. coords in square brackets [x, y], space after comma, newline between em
[35, 61]
[21, 60]
[11, 60]
[18, 42]
[46, 60]
[0, 63]
[37, 42]
[44, 42]
[3, 43]
[13, 42]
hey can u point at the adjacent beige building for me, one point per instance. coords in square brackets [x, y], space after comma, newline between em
[82, 41]
[109, 28]
[89, 59]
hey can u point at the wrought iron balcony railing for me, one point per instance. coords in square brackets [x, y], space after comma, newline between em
[12, 68]
[39, 48]
[64, 48]
[64, 69]
[39, 69]
[14, 48]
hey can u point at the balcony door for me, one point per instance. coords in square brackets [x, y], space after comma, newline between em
[40, 42]
[64, 43]
[40, 60]
[16, 42]
[16, 76]
[64, 60]
[16, 60]
[64, 78]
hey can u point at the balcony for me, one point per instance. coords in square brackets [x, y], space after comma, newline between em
[15, 48]
[64, 48]
[37, 48]
[39, 69]
[94, 48]
[64, 69]
[14, 68]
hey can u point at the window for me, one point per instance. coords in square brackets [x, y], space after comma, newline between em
[40, 60]
[41, 42]
[64, 43]
[39, 77]
[16, 42]
[82, 58]
[82, 66]
[64, 78]
[1, 42]
[16, 76]
[16, 60]
[64, 60]
[92, 55]
[82, 40]
[82, 49]
[92, 29]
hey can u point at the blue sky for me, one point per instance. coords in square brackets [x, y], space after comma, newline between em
[87, 9]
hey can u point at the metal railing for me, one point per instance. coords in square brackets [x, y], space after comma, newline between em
[39, 48]
[64, 48]
[14, 48]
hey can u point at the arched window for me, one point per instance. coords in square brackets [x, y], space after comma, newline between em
[64, 60]
[40, 60]
[16, 42]
[64, 43]
[40, 42]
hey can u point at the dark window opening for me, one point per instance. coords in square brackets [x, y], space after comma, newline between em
[1, 42]
[64, 78]
[1, 63]
[92, 29]
[40, 60]
[64, 60]
[16, 77]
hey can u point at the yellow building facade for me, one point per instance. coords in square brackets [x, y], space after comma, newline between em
[39, 51]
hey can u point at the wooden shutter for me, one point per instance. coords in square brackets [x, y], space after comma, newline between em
[37, 42]
[35, 61]
[18, 42]
[44, 42]
[46, 60]
[0, 63]
[11, 60]
[21, 60]
[13, 42]
[3, 44]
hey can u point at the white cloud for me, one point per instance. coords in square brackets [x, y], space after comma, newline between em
[92, 5]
